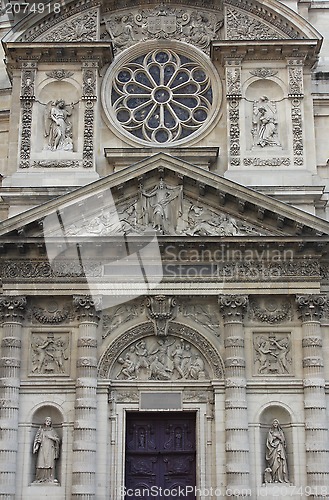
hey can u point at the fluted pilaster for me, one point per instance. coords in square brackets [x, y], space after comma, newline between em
[84, 442]
[316, 426]
[236, 417]
[12, 313]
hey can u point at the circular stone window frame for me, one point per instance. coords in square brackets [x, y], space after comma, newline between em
[143, 48]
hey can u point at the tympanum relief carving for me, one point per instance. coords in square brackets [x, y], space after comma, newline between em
[272, 354]
[163, 23]
[49, 353]
[164, 209]
[156, 358]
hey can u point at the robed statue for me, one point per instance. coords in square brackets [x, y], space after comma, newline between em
[46, 445]
[276, 455]
[162, 207]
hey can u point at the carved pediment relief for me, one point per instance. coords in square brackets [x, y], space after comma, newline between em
[196, 27]
[164, 209]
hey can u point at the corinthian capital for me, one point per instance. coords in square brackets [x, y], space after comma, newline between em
[87, 307]
[12, 308]
[233, 307]
[311, 306]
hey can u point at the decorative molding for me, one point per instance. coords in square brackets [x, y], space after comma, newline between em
[144, 330]
[56, 164]
[297, 131]
[59, 74]
[89, 79]
[27, 99]
[263, 72]
[161, 309]
[266, 162]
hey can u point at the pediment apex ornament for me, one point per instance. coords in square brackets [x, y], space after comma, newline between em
[161, 309]
[196, 27]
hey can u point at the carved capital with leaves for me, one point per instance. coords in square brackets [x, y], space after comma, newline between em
[233, 307]
[311, 307]
[87, 307]
[12, 308]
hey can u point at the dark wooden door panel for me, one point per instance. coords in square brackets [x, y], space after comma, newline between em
[160, 455]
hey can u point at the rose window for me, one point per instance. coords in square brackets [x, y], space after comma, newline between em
[161, 97]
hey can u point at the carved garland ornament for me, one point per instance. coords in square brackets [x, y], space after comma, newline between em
[27, 98]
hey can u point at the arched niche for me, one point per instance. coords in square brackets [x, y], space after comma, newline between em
[272, 94]
[38, 418]
[52, 92]
[123, 359]
[280, 413]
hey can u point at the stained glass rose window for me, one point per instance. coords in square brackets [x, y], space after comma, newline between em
[161, 97]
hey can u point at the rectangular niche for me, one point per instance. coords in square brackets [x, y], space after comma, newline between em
[272, 354]
[49, 354]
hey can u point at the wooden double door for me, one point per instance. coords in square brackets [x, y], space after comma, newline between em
[160, 456]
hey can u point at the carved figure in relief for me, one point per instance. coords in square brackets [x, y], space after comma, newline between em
[205, 223]
[197, 368]
[158, 370]
[58, 129]
[46, 444]
[121, 31]
[49, 356]
[142, 355]
[162, 207]
[272, 354]
[276, 456]
[265, 123]
[178, 358]
[128, 367]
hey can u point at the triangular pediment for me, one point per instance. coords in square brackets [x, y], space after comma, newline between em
[171, 197]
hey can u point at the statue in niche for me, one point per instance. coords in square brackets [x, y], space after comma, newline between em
[276, 455]
[265, 123]
[46, 445]
[58, 128]
[162, 207]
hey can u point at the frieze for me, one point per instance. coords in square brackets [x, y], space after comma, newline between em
[127, 396]
[87, 361]
[49, 353]
[234, 342]
[235, 362]
[145, 330]
[247, 271]
[59, 74]
[56, 164]
[198, 396]
[87, 342]
[272, 354]
[313, 361]
[312, 342]
[79, 28]
[11, 342]
[266, 162]
[162, 23]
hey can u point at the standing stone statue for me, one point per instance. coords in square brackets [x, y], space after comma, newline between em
[58, 128]
[46, 445]
[265, 123]
[276, 456]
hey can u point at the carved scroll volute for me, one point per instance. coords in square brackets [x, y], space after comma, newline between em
[311, 306]
[161, 309]
[12, 308]
[233, 307]
[87, 308]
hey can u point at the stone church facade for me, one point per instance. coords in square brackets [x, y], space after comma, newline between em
[164, 249]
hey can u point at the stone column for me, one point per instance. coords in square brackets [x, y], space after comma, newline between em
[12, 312]
[316, 424]
[236, 416]
[84, 437]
